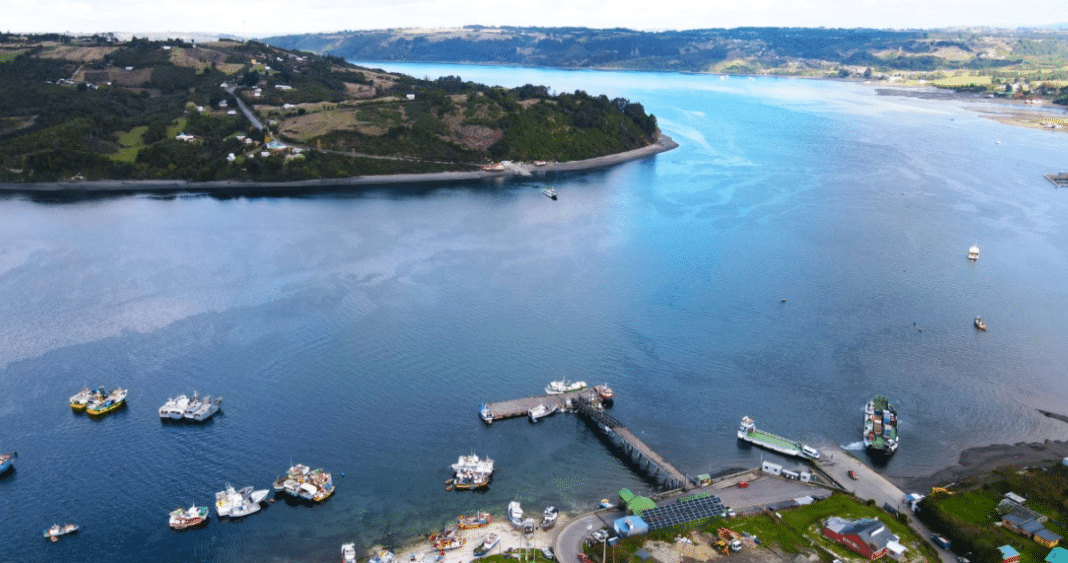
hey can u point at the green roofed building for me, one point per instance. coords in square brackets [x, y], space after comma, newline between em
[636, 504]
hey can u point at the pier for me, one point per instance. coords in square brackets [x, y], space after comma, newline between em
[587, 403]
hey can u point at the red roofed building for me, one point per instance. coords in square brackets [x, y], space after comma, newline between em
[867, 536]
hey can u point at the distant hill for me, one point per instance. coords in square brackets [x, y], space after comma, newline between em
[100, 108]
[789, 51]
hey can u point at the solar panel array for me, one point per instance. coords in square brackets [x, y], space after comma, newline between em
[680, 512]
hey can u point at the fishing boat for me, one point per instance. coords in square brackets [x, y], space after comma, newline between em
[979, 324]
[549, 193]
[195, 516]
[236, 503]
[348, 553]
[174, 408]
[303, 482]
[7, 462]
[447, 540]
[56, 531]
[470, 522]
[604, 391]
[515, 514]
[111, 403]
[562, 386]
[485, 413]
[540, 411]
[528, 527]
[880, 426]
[973, 252]
[204, 410]
[81, 399]
[489, 541]
[384, 556]
[605, 503]
[471, 472]
[548, 518]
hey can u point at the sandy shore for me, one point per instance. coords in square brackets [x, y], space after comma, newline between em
[510, 539]
[662, 144]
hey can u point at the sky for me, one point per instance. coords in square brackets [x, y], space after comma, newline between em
[261, 18]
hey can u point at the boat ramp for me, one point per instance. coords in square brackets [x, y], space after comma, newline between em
[588, 404]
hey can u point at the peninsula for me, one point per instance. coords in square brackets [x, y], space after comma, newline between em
[105, 113]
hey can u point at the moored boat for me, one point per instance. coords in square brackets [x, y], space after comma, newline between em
[80, 400]
[485, 413]
[470, 522]
[548, 518]
[540, 411]
[748, 432]
[880, 426]
[302, 482]
[471, 472]
[973, 252]
[979, 324]
[236, 503]
[174, 408]
[562, 386]
[7, 461]
[101, 406]
[56, 531]
[181, 518]
[348, 553]
[604, 391]
[489, 541]
[204, 410]
[550, 193]
[515, 514]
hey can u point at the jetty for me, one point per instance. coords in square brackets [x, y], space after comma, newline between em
[588, 404]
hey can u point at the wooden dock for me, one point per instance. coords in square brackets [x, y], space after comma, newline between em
[587, 403]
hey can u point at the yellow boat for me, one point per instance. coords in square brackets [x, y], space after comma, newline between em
[112, 402]
[82, 398]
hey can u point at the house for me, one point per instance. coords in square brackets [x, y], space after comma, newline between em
[1015, 498]
[1009, 554]
[1021, 524]
[1057, 555]
[1047, 537]
[867, 536]
[630, 526]
[769, 467]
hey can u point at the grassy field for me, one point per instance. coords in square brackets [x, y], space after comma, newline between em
[131, 142]
[962, 80]
[8, 56]
[975, 507]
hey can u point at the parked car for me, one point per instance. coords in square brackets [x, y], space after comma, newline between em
[584, 559]
[853, 475]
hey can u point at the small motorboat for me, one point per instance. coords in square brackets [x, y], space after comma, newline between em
[348, 552]
[540, 411]
[548, 518]
[605, 503]
[7, 461]
[973, 252]
[979, 324]
[549, 193]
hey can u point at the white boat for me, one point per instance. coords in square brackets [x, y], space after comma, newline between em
[549, 193]
[528, 527]
[485, 413]
[973, 252]
[174, 408]
[540, 411]
[306, 483]
[489, 541]
[471, 472]
[56, 530]
[562, 386]
[548, 518]
[238, 503]
[348, 553]
[192, 405]
[205, 410]
[515, 514]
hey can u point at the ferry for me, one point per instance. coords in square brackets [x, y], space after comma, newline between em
[7, 461]
[111, 403]
[562, 386]
[973, 252]
[489, 541]
[880, 426]
[56, 530]
[181, 518]
[471, 472]
[979, 324]
[748, 432]
[471, 522]
[80, 400]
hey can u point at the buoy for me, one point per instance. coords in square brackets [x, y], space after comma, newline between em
[342, 473]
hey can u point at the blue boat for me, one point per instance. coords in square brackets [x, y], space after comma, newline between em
[7, 461]
[487, 544]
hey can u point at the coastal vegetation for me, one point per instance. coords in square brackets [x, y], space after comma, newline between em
[1027, 62]
[967, 514]
[96, 108]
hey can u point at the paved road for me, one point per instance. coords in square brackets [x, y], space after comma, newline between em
[244, 109]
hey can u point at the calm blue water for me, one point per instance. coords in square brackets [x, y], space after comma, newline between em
[358, 332]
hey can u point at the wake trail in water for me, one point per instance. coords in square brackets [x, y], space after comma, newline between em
[854, 447]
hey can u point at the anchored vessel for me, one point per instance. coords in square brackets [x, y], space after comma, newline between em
[979, 324]
[100, 406]
[195, 516]
[302, 482]
[562, 386]
[973, 252]
[7, 461]
[81, 399]
[56, 530]
[880, 426]
[240, 502]
[540, 411]
[748, 432]
[203, 410]
[174, 408]
[471, 472]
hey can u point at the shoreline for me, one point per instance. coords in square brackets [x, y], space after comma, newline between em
[663, 143]
[985, 459]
